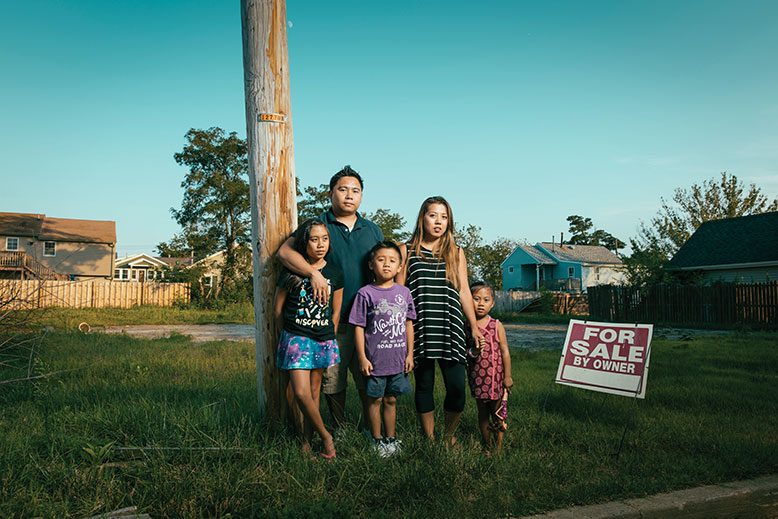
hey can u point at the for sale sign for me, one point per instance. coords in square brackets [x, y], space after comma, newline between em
[606, 357]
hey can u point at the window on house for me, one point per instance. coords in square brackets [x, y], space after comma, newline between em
[125, 274]
[49, 248]
[117, 274]
[208, 281]
[12, 244]
[133, 274]
[510, 269]
[571, 272]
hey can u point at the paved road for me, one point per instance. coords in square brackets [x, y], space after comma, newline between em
[525, 336]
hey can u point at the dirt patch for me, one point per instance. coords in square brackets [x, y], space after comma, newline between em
[198, 332]
[522, 336]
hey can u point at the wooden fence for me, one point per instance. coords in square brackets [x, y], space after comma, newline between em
[719, 304]
[15, 294]
[514, 300]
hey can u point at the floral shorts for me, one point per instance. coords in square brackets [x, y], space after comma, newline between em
[298, 352]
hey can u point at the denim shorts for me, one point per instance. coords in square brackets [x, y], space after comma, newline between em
[387, 385]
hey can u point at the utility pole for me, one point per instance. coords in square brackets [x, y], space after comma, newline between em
[271, 176]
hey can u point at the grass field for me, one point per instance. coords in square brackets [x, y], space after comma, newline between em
[241, 313]
[69, 318]
[172, 428]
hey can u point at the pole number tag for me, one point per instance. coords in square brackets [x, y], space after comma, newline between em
[271, 118]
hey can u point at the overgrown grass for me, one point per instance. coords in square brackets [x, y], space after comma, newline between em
[69, 318]
[710, 415]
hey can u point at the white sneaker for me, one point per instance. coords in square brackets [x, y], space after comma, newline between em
[382, 448]
[393, 446]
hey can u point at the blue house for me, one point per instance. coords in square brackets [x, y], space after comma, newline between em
[564, 267]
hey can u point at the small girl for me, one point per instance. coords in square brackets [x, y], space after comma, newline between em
[307, 344]
[436, 274]
[490, 370]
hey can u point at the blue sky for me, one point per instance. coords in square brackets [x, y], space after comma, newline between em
[520, 113]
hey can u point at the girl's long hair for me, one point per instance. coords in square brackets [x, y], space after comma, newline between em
[447, 248]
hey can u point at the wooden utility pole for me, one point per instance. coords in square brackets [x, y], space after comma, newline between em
[271, 176]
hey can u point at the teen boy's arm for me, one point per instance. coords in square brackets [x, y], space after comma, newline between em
[295, 262]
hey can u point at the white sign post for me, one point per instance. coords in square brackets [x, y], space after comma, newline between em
[606, 357]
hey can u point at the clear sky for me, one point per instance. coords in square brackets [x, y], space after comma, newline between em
[520, 113]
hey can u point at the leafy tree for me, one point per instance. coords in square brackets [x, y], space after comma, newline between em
[581, 234]
[469, 238]
[216, 196]
[391, 224]
[676, 221]
[490, 258]
[607, 240]
[484, 260]
[714, 199]
[185, 244]
[312, 201]
[580, 229]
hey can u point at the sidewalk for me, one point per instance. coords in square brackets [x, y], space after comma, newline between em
[754, 498]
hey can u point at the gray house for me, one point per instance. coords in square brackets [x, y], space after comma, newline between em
[732, 250]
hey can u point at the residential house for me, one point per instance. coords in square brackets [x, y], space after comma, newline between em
[76, 249]
[142, 267]
[212, 266]
[211, 271]
[564, 267]
[735, 250]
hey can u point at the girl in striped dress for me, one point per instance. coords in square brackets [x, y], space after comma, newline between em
[436, 274]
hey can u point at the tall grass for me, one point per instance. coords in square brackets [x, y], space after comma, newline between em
[69, 442]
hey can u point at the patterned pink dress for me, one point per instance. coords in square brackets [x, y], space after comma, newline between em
[486, 369]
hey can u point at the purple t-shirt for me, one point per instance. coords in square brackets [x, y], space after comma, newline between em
[382, 312]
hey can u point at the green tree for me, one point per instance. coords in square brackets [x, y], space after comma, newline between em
[312, 201]
[607, 240]
[580, 229]
[484, 260]
[581, 233]
[391, 224]
[216, 197]
[469, 238]
[714, 199]
[194, 244]
[490, 258]
[676, 220]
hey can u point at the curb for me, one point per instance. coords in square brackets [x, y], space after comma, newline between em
[753, 498]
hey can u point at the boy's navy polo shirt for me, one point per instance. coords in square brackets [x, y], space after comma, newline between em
[349, 251]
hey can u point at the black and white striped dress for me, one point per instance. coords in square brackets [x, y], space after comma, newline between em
[439, 329]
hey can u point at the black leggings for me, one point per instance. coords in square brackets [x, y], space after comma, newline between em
[453, 378]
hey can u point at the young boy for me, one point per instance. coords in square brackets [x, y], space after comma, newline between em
[382, 315]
